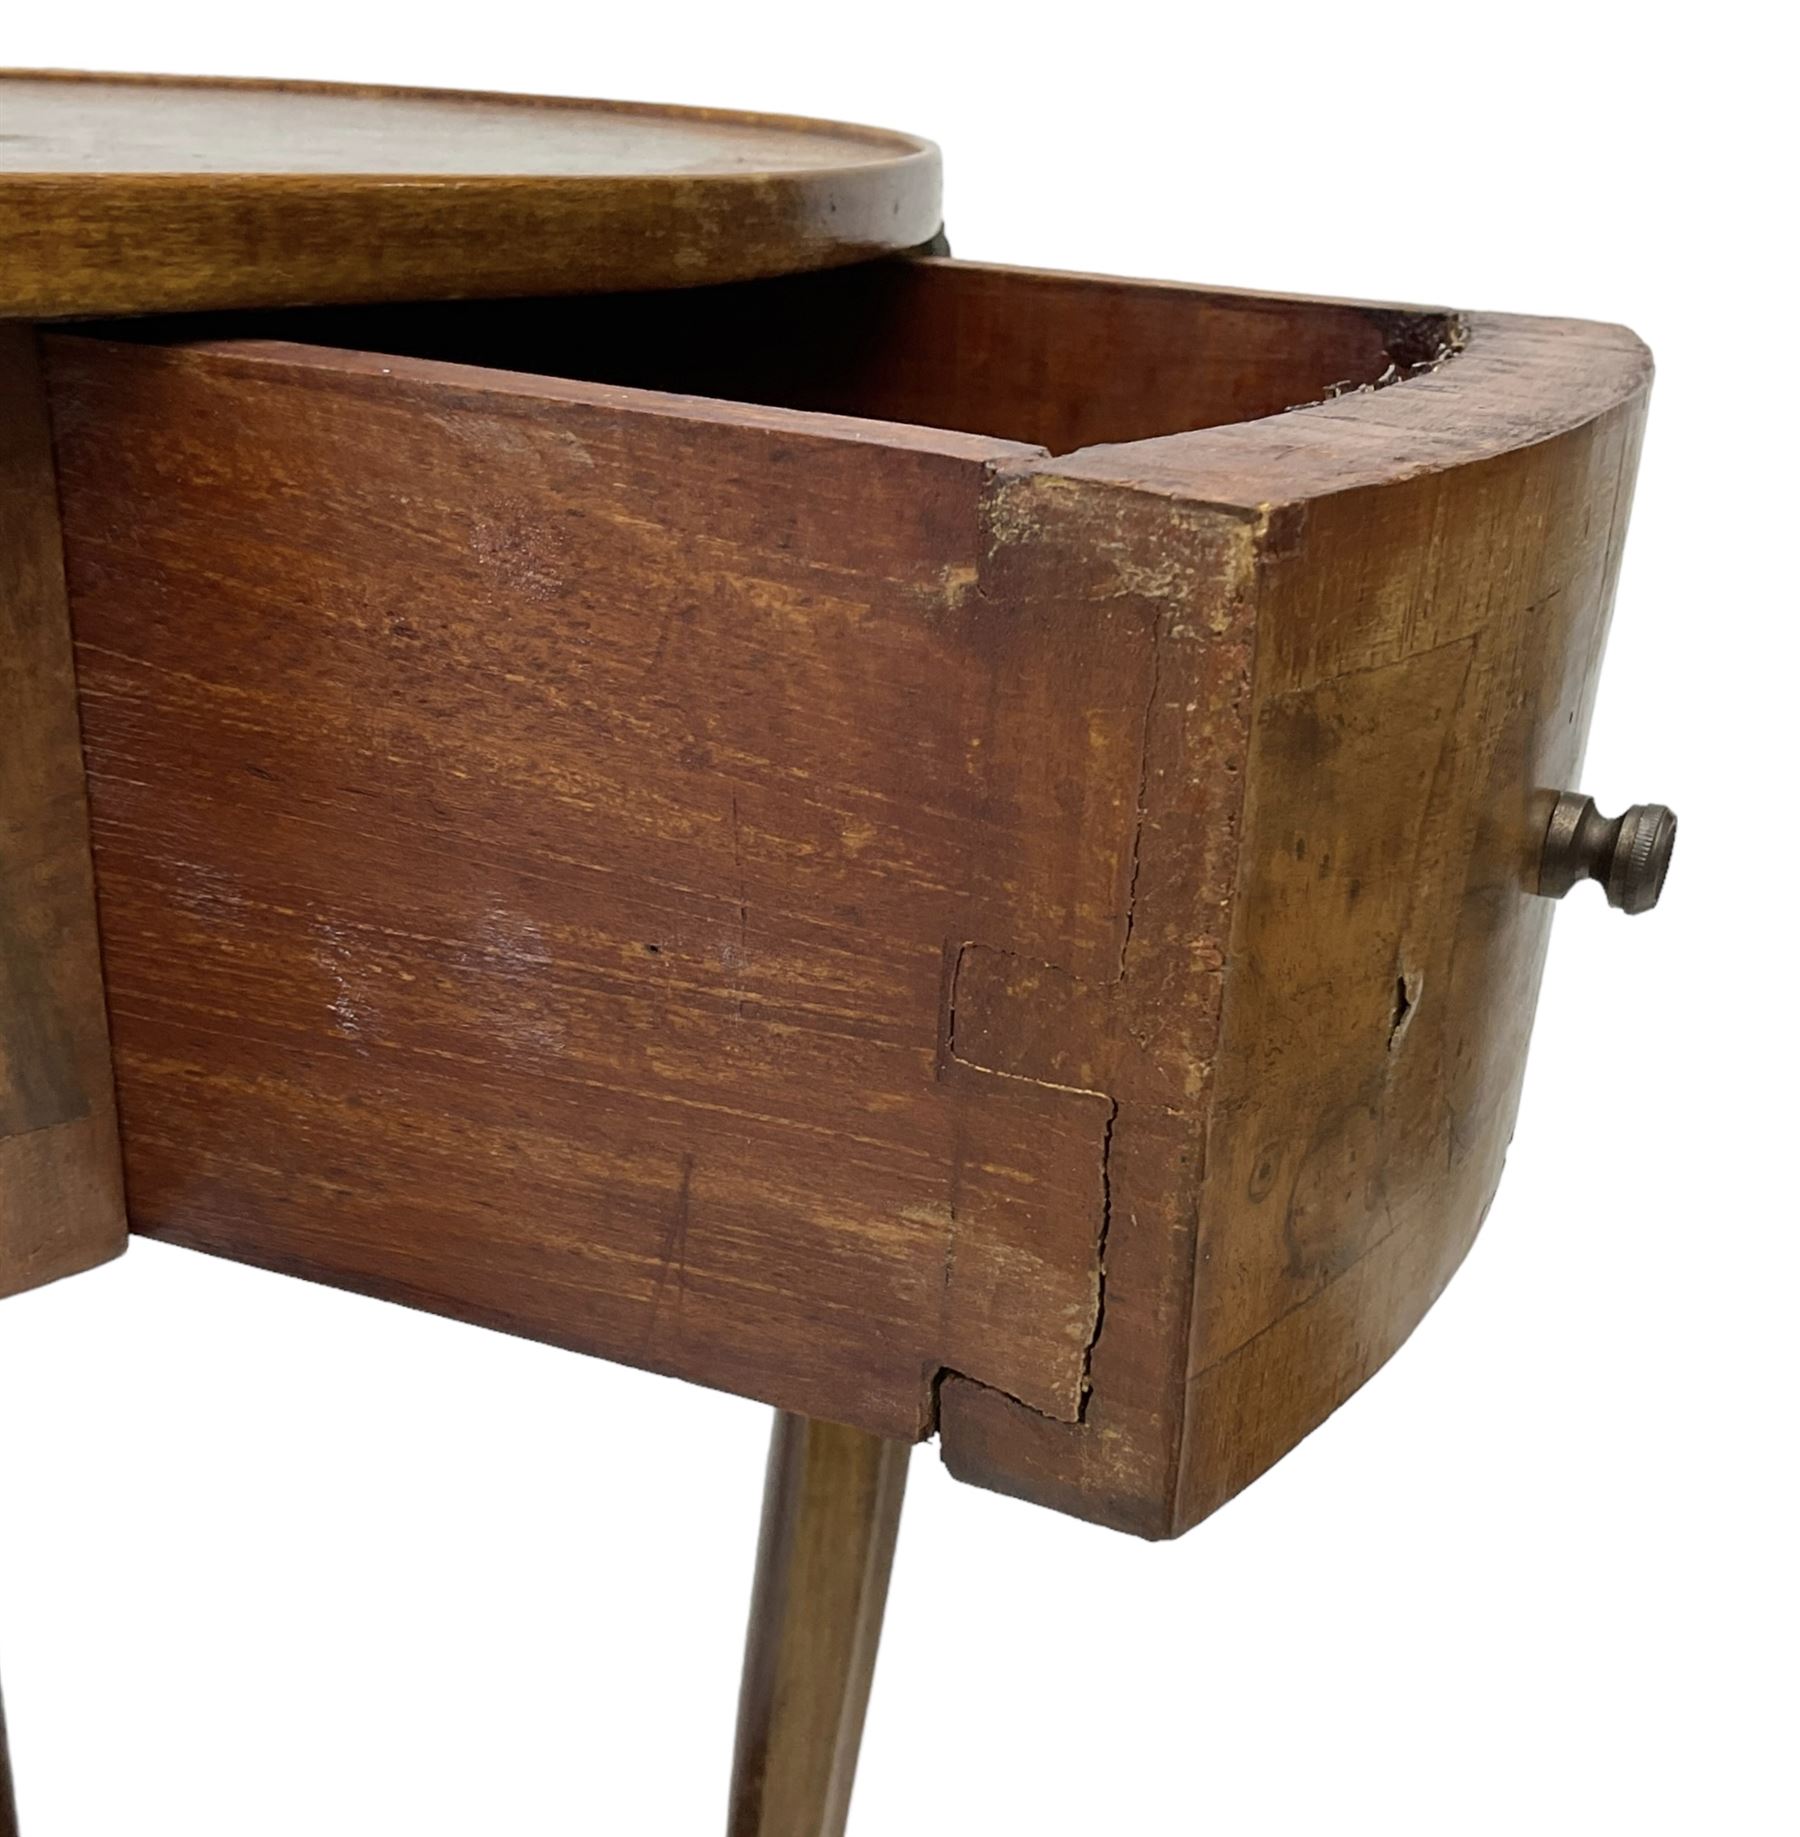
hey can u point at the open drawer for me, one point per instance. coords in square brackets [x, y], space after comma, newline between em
[939, 846]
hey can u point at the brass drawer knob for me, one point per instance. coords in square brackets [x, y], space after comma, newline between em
[1628, 855]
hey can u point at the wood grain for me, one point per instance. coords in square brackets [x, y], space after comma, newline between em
[831, 1516]
[1425, 580]
[1060, 361]
[141, 194]
[531, 819]
[875, 917]
[61, 1205]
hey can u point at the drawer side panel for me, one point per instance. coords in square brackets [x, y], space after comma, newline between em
[532, 825]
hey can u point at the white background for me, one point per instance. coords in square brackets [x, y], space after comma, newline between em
[274, 1560]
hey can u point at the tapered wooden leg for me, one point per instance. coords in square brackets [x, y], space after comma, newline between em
[9, 1815]
[831, 1514]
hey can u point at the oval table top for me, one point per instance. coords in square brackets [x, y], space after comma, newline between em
[123, 194]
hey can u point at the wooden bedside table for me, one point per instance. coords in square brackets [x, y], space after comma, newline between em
[953, 849]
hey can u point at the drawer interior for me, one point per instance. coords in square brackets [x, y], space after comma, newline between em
[1059, 361]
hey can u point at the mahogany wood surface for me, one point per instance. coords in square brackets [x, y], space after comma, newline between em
[831, 1517]
[1416, 584]
[61, 1204]
[872, 916]
[1057, 360]
[139, 194]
